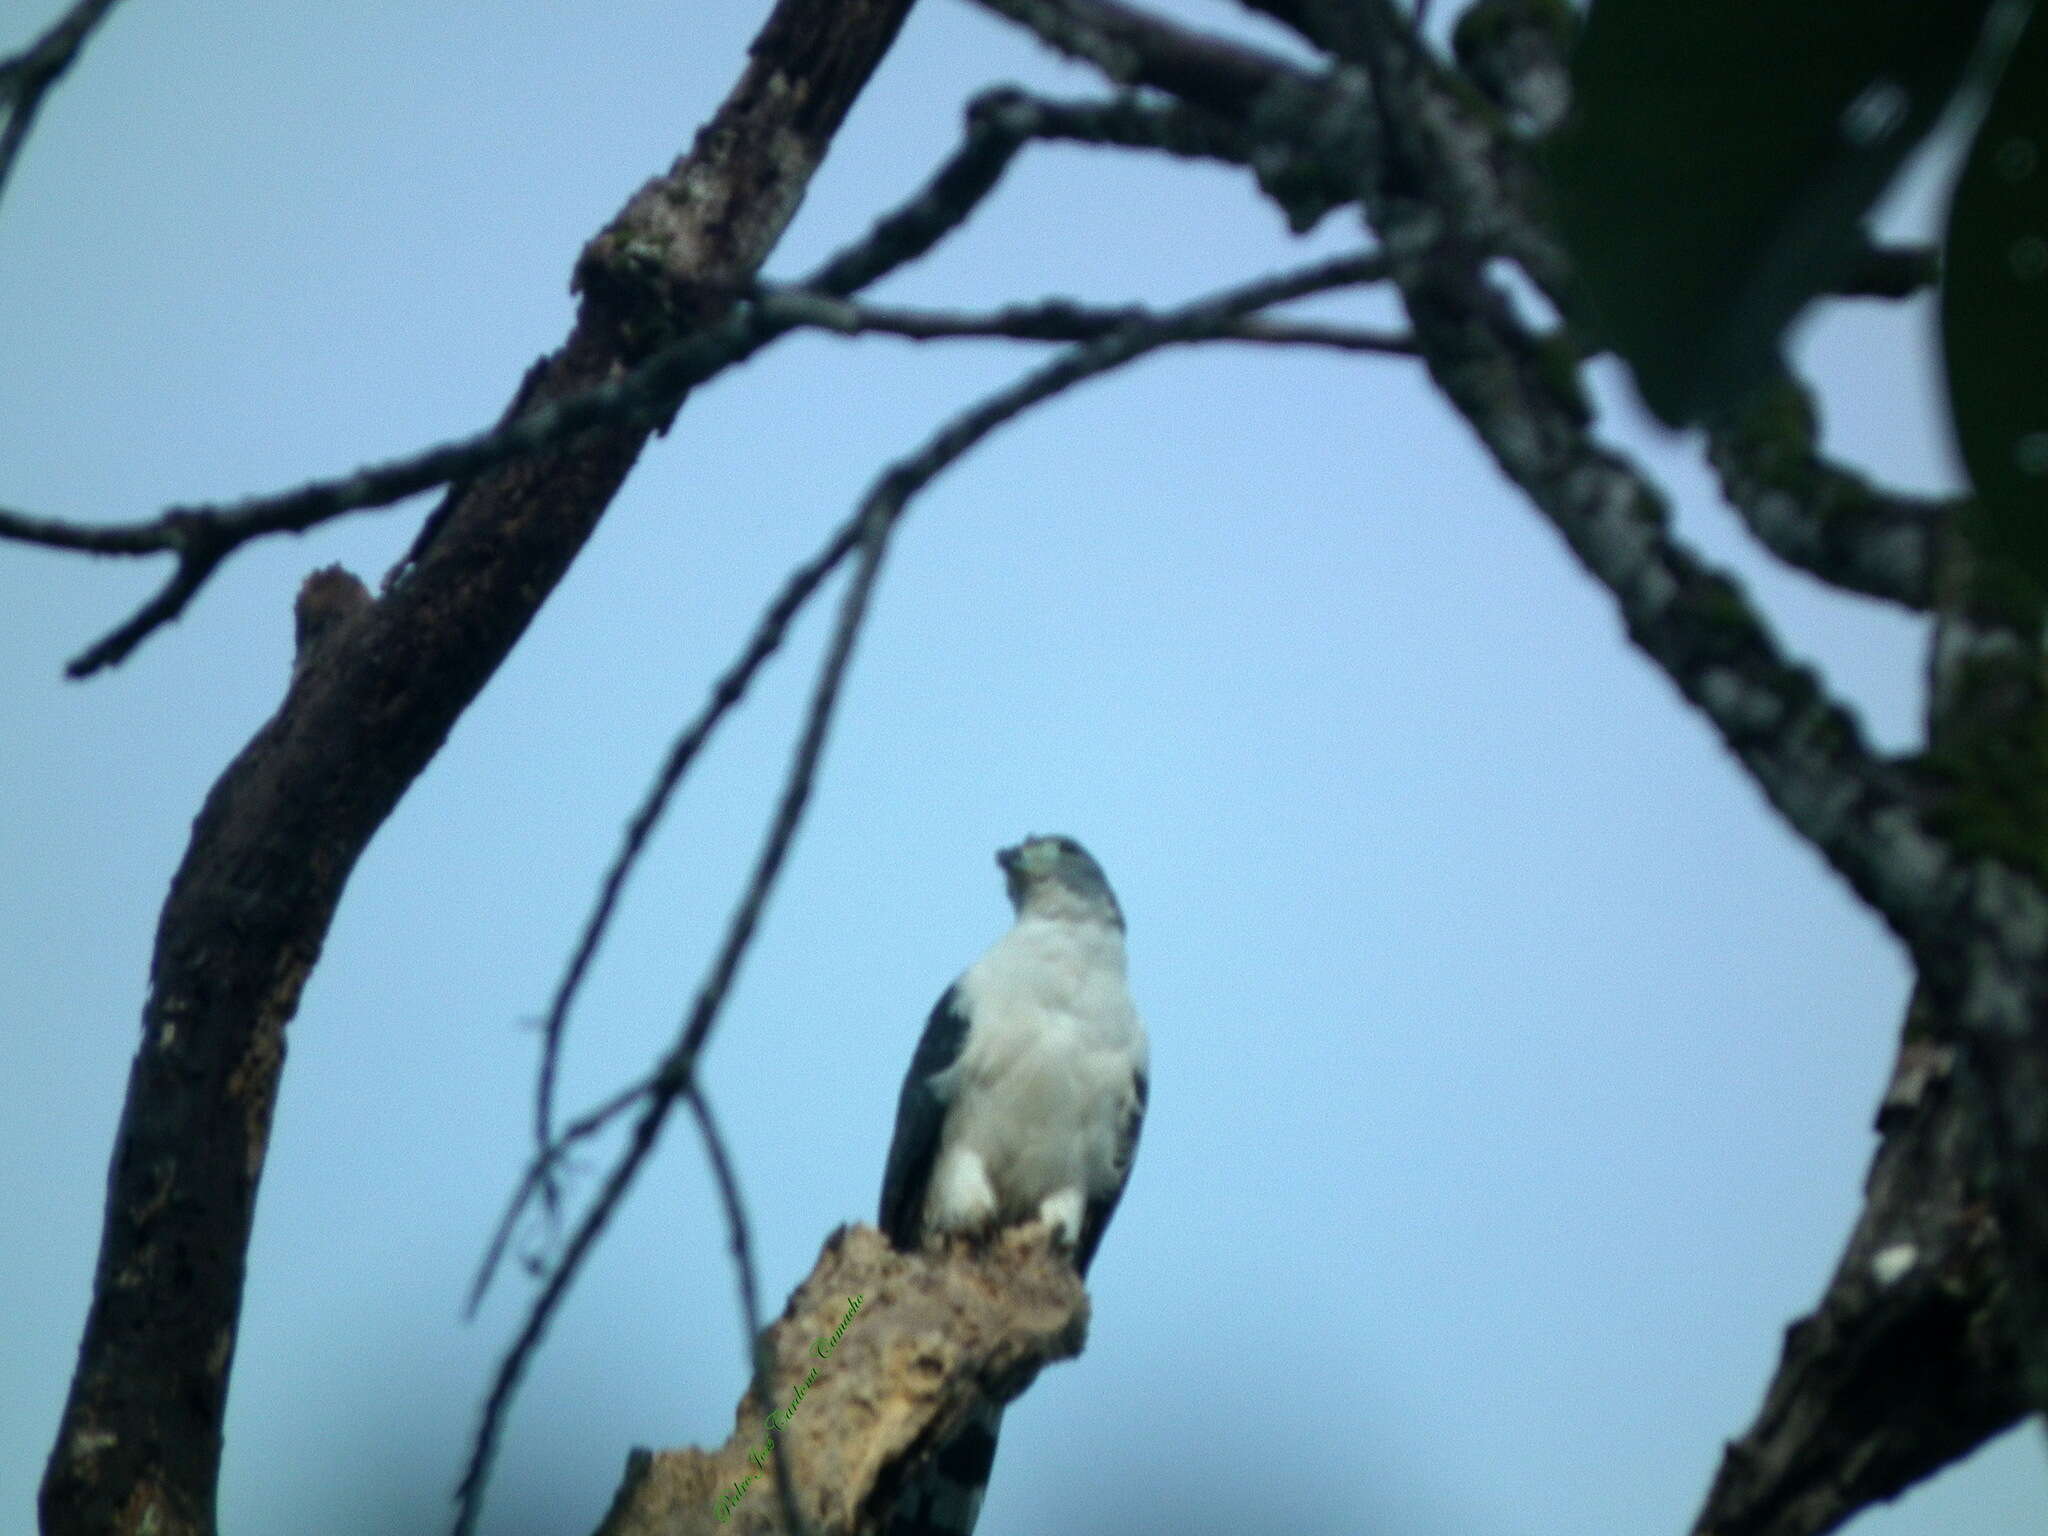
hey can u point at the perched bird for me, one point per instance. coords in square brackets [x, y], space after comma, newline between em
[1022, 1103]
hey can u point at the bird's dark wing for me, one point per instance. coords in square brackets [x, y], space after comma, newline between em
[1095, 1220]
[920, 1114]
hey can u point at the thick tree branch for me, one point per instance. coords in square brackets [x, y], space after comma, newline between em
[1909, 1361]
[1804, 750]
[26, 78]
[139, 1445]
[1912, 1357]
[1812, 513]
[858, 1402]
[1331, 25]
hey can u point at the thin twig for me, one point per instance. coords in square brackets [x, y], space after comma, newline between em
[996, 128]
[26, 78]
[1054, 320]
[731, 687]
[760, 1350]
[540, 1169]
[202, 536]
[1135, 47]
[880, 511]
[1129, 120]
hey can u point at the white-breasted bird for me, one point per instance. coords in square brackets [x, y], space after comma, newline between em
[1023, 1103]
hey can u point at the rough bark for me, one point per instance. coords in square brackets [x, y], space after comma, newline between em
[1909, 1361]
[935, 1335]
[379, 685]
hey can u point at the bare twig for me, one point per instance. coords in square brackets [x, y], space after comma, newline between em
[730, 688]
[735, 1218]
[1131, 120]
[1054, 320]
[880, 511]
[541, 1169]
[1310, 137]
[201, 537]
[1816, 514]
[759, 1347]
[204, 535]
[1133, 47]
[26, 78]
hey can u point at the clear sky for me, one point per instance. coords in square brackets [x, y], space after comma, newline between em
[1513, 1071]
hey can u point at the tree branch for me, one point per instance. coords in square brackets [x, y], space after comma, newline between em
[676, 1076]
[862, 1395]
[1055, 320]
[759, 1351]
[1133, 47]
[1909, 1360]
[26, 78]
[727, 692]
[139, 1444]
[1973, 913]
[202, 536]
[1890, 272]
[1812, 513]
[1445, 188]
[1129, 120]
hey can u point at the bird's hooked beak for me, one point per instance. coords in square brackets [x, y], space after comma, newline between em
[1015, 877]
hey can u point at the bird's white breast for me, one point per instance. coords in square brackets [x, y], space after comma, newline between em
[1040, 1100]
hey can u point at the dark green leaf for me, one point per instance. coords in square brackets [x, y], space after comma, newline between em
[1718, 161]
[1994, 315]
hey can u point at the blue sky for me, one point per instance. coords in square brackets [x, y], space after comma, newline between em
[1512, 1069]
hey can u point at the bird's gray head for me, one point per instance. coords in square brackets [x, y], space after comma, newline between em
[1057, 877]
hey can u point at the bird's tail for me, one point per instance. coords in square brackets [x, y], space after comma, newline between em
[945, 1498]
